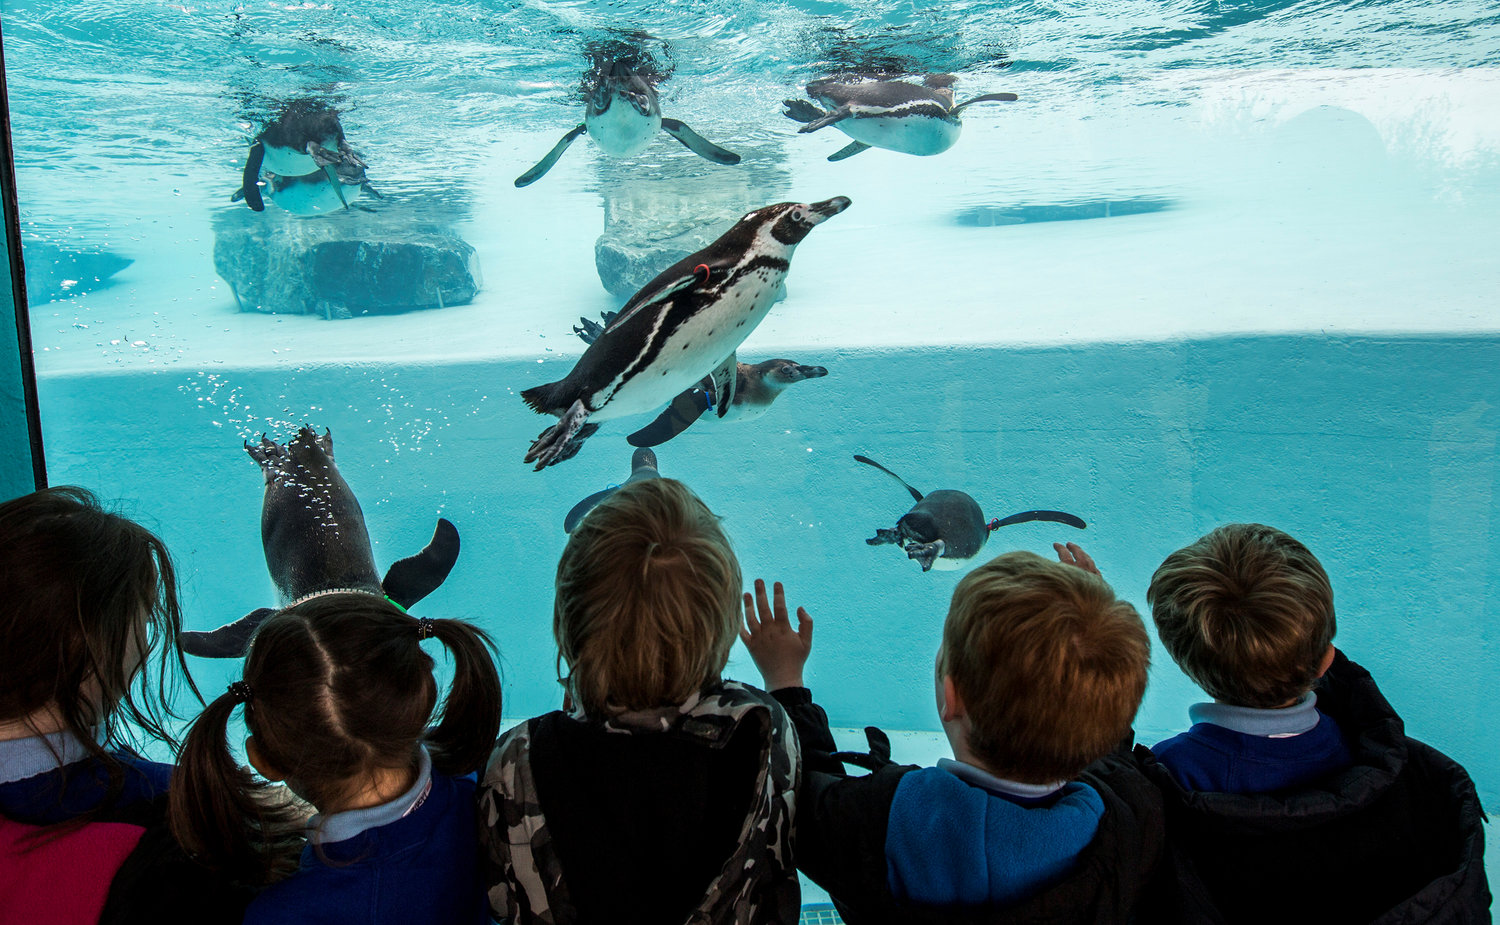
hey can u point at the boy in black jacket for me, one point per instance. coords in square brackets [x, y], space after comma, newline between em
[1289, 802]
[1039, 817]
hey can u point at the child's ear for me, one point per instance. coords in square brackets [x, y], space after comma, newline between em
[258, 761]
[953, 705]
[1327, 660]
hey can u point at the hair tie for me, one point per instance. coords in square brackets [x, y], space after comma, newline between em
[241, 692]
[425, 628]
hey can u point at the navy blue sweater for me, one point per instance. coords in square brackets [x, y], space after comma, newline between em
[412, 861]
[1235, 750]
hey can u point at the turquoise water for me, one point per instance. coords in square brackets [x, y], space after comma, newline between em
[1219, 262]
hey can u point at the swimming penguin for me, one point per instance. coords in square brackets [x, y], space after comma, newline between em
[314, 536]
[756, 386]
[315, 193]
[683, 325]
[642, 466]
[304, 138]
[946, 528]
[893, 114]
[623, 114]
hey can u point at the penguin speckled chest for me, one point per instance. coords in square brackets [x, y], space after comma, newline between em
[623, 115]
[946, 528]
[910, 118]
[681, 326]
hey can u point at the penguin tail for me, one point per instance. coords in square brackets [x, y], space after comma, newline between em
[541, 398]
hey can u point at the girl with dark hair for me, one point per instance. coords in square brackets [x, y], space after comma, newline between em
[338, 695]
[88, 634]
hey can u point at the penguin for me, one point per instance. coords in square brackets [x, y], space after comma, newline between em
[314, 193]
[306, 137]
[684, 324]
[315, 541]
[642, 466]
[756, 386]
[623, 115]
[911, 118]
[946, 528]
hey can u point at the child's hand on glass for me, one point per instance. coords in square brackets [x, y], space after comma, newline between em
[1073, 554]
[778, 650]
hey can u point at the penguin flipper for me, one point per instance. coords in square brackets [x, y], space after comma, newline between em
[415, 577]
[848, 151]
[1056, 517]
[801, 111]
[987, 98]
[726, 380]
[870, 462]
[686, 408]
[583, 507]
[697, 143]
[650, 296]
[250, 186]
[545, 164]
[232, 640]
[333, 178]
[827, 119]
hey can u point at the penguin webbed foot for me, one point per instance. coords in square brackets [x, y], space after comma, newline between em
[588, 331]
[562, 440]
[925, 553]
[884, 537]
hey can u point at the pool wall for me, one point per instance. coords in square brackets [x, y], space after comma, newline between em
[1377, 451]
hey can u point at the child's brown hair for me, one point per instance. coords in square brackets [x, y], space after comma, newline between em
[1050, 666]
[648, 598]
[335, 688]
[90, 597]
[1246, 612]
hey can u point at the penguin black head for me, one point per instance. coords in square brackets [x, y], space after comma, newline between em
[785, 372]
[792, 221]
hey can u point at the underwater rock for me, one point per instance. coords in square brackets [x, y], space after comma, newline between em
[54, 272]
[659, 209]
[343, 265]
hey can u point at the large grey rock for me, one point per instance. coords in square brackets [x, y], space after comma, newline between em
[344, 265]
[54, 271]
[658, 210]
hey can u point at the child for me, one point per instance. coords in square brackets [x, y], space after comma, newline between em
[660, 793]
[1294, 799]
[88, 634]
[1041, 816]
[338, 695]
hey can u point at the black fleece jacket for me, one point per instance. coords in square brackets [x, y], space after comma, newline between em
[841, 832]
[1394, 838]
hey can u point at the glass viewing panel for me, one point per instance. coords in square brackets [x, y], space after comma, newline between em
[1214, 263]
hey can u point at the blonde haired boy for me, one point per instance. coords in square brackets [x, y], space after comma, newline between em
[1041, 814]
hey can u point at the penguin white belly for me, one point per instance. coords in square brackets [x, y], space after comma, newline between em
[943, 564]
[311, 195]
[289, 162]
[919, 135]
[621, 130]
[692, 351]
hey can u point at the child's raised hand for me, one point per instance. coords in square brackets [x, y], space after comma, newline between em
[1073, 554]
[778, 650]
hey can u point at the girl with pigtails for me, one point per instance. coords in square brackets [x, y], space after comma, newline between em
[338, 696]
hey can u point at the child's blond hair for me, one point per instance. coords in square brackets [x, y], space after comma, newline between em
[1246, 612]
[648, 600]
[1050, 666]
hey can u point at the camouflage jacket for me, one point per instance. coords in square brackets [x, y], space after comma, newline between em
[757, 885]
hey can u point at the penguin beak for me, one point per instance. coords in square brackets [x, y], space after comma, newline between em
[812, 372]
[827, 209]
